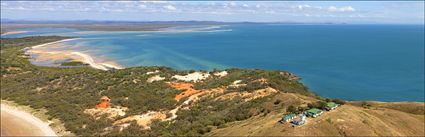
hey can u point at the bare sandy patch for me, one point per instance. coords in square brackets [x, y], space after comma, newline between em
[236, 84]
[221, 74]
[152, 72]
[247, 96]
[146, 119]
[195, 77]
[143, 120]
[155, 78]
[111, 113]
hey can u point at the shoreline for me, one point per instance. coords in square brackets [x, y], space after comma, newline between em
[49, 54]
[54, 42]
[18, 122]
[89, 60]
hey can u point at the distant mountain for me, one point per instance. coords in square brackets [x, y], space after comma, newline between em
[11, 21]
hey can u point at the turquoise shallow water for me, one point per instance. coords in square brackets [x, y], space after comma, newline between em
[354, 62]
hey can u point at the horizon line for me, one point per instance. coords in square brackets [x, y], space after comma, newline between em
[6, 20]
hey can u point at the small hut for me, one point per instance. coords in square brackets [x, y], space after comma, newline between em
[104, 102]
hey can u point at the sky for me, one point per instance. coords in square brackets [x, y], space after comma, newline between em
[380, 12]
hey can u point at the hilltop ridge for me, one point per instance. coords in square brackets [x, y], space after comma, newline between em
[351, 119]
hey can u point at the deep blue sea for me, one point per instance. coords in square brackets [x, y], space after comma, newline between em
[353, 62]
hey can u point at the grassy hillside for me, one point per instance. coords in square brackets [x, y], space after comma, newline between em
[242, 102]
[379, 119]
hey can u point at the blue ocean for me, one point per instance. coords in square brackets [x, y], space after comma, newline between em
[352, 62]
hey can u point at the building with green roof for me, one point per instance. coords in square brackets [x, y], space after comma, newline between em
[314, 112]
[331, 105]
[287, 117]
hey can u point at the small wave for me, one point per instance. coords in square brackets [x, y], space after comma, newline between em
[223, 30]
[142, 35]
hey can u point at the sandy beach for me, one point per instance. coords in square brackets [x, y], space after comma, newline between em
[15, 122]
[51, 43]
[52, 52]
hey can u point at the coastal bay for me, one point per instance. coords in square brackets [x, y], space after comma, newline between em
[353, 62]
[212, 68]
[217, 99]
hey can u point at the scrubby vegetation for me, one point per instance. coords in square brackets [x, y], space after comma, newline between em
[73, 63]
[67, 92]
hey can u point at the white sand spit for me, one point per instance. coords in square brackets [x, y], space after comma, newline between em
[50, 51]
[14, 32]
[89, 60]
[50, 43]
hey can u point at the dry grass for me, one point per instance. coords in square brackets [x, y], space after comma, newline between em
[385, 119]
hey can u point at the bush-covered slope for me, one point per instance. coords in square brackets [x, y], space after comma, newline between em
[67, 92]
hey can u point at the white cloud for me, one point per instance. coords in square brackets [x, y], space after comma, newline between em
[301, 7]
[142, 6]
[342, 9]
[15, 8]
[170, 7]
[349, 8]
[161, 2]
[245, 5]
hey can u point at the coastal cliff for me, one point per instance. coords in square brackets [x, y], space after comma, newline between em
[161, 101]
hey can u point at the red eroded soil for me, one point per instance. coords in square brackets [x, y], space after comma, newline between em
[187, 90]
[103, 105]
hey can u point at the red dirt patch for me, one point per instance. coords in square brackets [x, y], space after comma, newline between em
[187, 90]
[104, 102]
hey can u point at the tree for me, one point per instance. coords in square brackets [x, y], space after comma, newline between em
[339, 101]
[309, 105]
[321, 105]
[291, 109]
